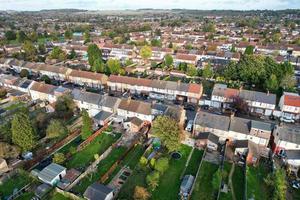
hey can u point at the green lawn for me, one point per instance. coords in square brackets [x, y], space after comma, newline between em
[203, 188]
[226, 170]
[256, 187]
[86, 156]
[58, 196]
[238, 181]
[170, 181]
[194, 163]
[18, 181]
[137, 178]
[103, 167]
[131, 160]
[74, 143]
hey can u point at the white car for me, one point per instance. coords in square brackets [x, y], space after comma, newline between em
[189, 126]
[288, 120]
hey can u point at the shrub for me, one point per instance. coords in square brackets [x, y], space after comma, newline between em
[162, 165]
[152, 180]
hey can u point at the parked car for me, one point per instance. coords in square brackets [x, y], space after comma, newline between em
[189, 126]
[295, 184]
[287, 120]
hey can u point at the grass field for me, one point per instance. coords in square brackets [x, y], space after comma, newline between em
[256, 187]
[170, 181]
[194, 162]
[203, 188]
[103, 167]
[84, 157]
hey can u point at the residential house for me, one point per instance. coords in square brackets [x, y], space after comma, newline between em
[212, 123]
[258, 102]
[185, 58]
[42, 91]
[88, 101]
[156, 89]
[54, 72]
[90, 79]
[286, 137]
[290, 105]
[130, 108]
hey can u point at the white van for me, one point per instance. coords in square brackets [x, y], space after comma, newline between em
[189, 126]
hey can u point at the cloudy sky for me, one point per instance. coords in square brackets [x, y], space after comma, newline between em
[136, 4]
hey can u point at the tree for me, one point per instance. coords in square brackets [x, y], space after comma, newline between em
[68, 34]
[152, 180]
[272, 83]
[276, 37]
[288, 82]
[93, 53]
[277, 183]
[146, 52]
[59, 158]
[56, 27]
[58, 53]
[8, 151]
[143, 161]
[64, 107]
[167, 129]
[168, 60]
[23, 133]
[240, 105]
[86, 36]
[87, 123]
[33, 36]
[21, 36]
[209, 27]
[141, 193]
[56, 129]
[155, 43]
[161, 165]
[249, 50]
[98, 66]
[3, 92]
[24, 73]
[46, 79]
[5, 131]
[207, 71]
[72, 54]
[41, 48]
[10, 35]
[29, 50]
[114, 66]
[191, 70]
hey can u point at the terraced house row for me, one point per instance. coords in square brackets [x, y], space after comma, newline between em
[103, 108]
[157, 89]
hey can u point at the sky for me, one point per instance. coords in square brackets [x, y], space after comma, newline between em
[33, 5]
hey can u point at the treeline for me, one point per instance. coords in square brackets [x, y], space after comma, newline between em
[260, 72]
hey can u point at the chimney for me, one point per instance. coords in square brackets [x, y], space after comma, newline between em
[178, 82]
[268, 93]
